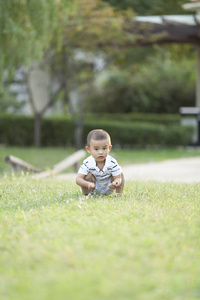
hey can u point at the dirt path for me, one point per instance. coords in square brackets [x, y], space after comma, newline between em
[175, 170]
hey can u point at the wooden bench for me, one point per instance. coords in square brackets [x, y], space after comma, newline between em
[63, 165]
[18, 164]
[73, 159]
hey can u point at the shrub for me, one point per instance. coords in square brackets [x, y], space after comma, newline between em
[141, 134]
[167, 119]
[16, 130]
[157, 87]
[57, 132]
[19, 131]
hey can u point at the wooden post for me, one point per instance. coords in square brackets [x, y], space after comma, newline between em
[18, 163]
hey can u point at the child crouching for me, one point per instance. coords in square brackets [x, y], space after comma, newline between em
[100, 172]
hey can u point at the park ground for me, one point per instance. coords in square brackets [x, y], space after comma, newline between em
[56, 244]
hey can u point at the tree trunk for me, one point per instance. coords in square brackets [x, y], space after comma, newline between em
[79, 134]
[37, 130]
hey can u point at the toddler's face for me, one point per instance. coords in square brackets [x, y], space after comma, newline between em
[99, 149]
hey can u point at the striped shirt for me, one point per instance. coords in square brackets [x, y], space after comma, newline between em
[111, 168]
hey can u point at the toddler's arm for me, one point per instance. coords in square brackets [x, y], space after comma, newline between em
[80, 180]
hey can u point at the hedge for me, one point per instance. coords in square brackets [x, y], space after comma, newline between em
[19, 131]
[167, 119]
[139, 134]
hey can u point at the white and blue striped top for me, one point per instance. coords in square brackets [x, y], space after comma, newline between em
[111, 168]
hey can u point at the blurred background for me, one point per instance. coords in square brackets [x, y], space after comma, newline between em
[71, 66]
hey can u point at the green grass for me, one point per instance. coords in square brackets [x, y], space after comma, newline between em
[45, 158]
[55, 244]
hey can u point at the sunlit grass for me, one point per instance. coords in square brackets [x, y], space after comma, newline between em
[55, 244]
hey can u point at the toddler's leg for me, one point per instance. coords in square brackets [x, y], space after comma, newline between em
[119, 189]
[90, 178]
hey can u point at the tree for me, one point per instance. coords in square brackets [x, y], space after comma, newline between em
[161, 86]
[8, 102]
[92, 27]
[41, 99]
[26, 29]
[29, 27]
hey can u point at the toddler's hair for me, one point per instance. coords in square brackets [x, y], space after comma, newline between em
[98, 134]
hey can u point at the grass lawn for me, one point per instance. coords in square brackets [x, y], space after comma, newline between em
[55, 244]
[45, 158]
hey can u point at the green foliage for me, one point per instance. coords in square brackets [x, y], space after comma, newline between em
[87, 23]
[60, 132]
[157, 87]
[142, 134]
[153, 7]
[27, 27]
[15, 130]
[18, 130]
[8, 102]
[166, 119]
[57, 245]
[57, 132]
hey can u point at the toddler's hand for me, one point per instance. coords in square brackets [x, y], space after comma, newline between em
[115, 183]
[91, 186]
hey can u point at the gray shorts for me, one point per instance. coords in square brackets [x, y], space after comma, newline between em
[102, 187]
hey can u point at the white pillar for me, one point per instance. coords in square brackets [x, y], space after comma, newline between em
[196, 8]
[198, 79]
